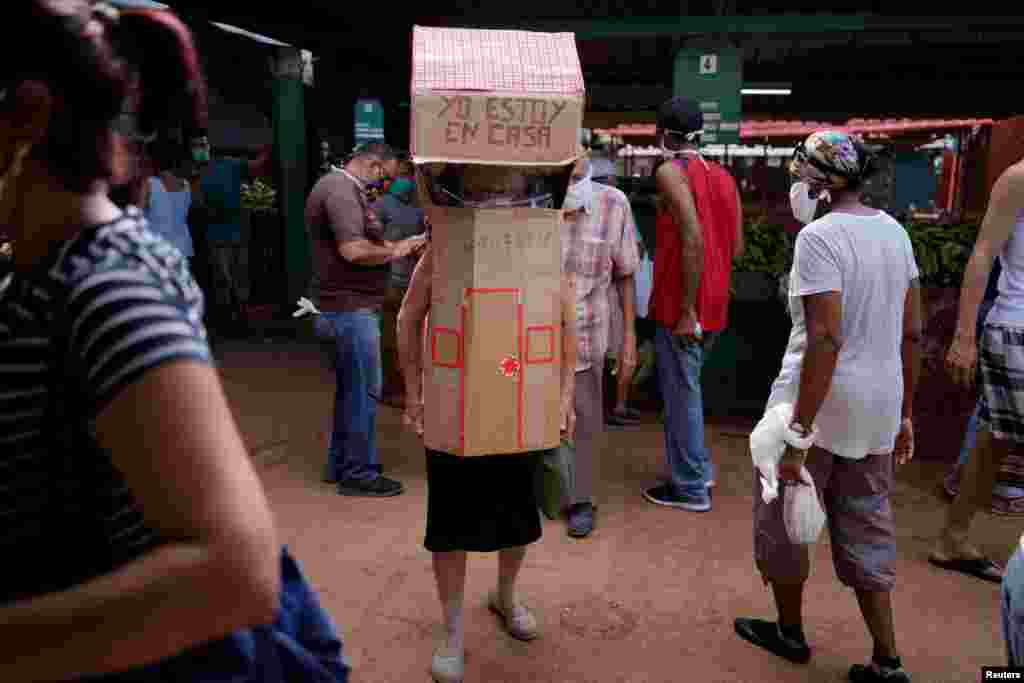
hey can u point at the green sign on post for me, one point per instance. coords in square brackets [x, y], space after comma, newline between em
[713, 77]
[369, 121]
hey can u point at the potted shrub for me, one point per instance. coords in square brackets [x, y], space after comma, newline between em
[756, 275]
[745, 360]
[262, 224]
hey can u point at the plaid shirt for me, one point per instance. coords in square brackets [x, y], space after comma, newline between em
[598, 246]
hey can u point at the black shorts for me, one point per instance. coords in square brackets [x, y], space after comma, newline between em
[481, 503]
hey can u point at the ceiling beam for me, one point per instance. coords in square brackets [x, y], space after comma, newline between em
[645, 27]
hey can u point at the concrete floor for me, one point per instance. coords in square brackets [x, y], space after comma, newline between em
[650, 597]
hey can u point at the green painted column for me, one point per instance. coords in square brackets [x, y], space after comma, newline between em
[289, 119]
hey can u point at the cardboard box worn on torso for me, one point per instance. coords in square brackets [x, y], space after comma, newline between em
[492, 372]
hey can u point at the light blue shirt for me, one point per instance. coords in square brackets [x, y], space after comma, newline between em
[168, 213]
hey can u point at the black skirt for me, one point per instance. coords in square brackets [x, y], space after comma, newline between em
[483, 503]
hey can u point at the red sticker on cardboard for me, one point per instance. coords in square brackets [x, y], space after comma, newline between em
[510, 367]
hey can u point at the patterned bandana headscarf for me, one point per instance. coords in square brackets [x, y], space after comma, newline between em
[829, 160]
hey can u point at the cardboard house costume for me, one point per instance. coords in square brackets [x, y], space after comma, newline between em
[493, 357]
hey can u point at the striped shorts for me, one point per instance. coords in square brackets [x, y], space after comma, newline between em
[1001, 376]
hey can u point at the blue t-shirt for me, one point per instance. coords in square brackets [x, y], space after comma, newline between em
[222, 189]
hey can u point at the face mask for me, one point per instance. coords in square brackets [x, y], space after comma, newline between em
[804, 208]
[580, 194]
[401, 187]
[679, 148]
[201, 152]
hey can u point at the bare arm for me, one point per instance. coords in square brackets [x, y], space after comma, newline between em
[144, 195]
[627, 295]
[672, 185]
[568, 407]
[410, 336]
[367, 253]
[1005, 204]
[823, 314]
[218, 570]
[911, 347]
[741, 243]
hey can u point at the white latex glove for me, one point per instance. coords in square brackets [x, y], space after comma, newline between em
[306, 307]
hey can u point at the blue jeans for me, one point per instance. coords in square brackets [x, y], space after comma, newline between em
[301, 645]
[679, 372]
[1012, 608]
[354, 340]
[970, 439]
[970, 436]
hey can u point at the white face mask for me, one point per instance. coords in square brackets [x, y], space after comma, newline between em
[580, 194]
[800, 201]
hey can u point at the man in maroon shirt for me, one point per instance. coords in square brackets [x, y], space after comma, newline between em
[350, 280]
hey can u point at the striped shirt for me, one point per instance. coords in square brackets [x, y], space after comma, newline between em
[101, 310]
[598, 246]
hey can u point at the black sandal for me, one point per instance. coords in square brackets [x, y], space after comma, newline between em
[978, 567]
[768, 635]
[860, 673]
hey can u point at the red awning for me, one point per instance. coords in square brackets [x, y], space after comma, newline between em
[796, 129]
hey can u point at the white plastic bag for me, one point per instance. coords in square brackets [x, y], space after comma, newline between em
[766, 447]
[768, 443]
[802, 512]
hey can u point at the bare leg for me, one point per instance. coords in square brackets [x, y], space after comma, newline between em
[450, 572]
[622, 392]
[876, 606]
[977, 480]
[789, 600]
[510, 561]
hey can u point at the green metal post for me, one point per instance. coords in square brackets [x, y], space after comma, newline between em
[290, 148]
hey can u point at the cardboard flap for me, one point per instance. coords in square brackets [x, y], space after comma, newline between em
[495, 97]
[495, 61]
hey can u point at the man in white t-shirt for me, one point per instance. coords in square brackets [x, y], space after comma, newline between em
[849, 373]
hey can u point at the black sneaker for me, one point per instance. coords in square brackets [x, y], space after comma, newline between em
[768, 635]
[890, 671]
[581, 520]
[664, 495]
[380, 487]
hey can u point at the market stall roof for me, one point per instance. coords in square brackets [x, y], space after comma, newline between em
[796, 129]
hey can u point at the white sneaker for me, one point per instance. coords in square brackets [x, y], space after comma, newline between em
[519, 621]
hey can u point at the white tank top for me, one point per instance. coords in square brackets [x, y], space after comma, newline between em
[1009, 307]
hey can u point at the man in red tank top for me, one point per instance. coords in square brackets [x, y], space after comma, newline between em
[699, 233]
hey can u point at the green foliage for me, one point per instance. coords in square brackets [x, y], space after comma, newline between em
[766, 250]
[941, 251]
[258, 196]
